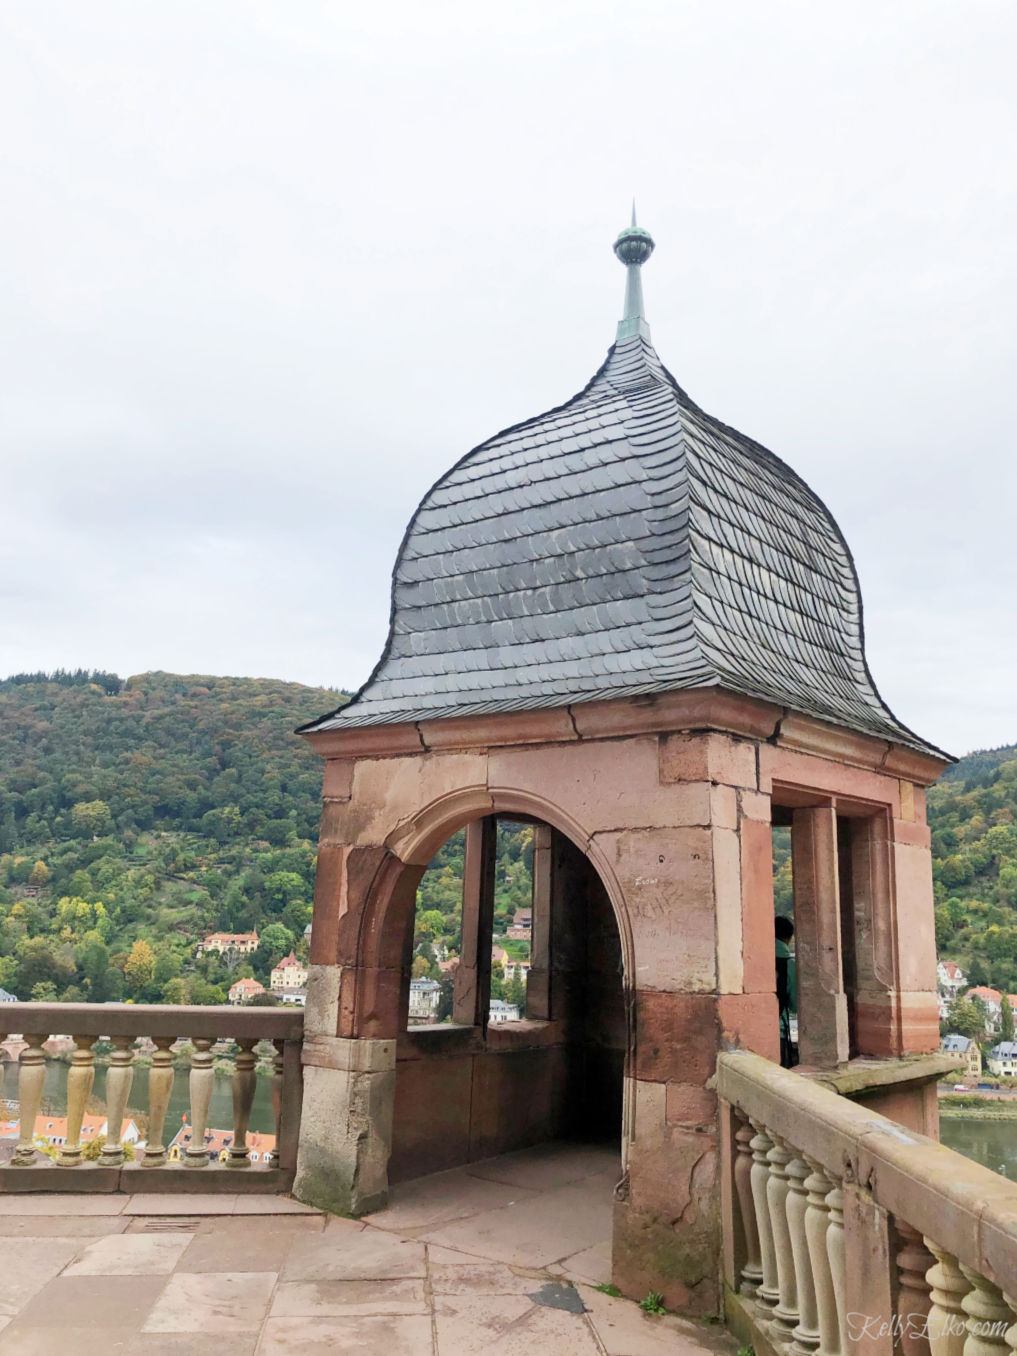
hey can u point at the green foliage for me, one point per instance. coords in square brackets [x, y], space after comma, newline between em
[136, 817]
[653, 1304]
[606, 1289]
[972, 814]
[965, 1017]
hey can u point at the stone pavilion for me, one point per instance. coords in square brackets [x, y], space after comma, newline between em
[636, 629]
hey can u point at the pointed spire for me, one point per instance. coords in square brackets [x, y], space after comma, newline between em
[633, 247]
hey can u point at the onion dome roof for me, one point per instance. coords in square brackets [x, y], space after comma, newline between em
[622, 544]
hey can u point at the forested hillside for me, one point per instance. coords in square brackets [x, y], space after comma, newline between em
[137, 816]
[134, 817]
[973, 817]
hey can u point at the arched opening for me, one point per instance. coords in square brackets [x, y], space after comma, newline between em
[513, 1026]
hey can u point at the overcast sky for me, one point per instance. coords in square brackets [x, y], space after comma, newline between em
[268, 269]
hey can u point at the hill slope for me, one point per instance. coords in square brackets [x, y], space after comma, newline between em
[973, 818]
[158, 808]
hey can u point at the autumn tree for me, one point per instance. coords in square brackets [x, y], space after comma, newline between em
[39, 875]
[139, 967]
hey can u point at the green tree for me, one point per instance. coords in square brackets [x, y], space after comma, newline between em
[44, 992]
[91, 817]
[1006, 1030]
[274, 942]
[965, 1017]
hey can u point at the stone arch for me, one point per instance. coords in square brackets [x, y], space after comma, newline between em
[414, 842]
[385, 922]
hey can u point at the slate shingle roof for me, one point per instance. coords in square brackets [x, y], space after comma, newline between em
[624, 543]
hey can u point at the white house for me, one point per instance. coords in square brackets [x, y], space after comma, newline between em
[950, 979]
[289, 974]
[1002, 1059]
[500, 1011]
[244, 990]
[424, 998]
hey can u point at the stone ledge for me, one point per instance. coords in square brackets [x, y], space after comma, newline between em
[173, 1179]
[862, 1075]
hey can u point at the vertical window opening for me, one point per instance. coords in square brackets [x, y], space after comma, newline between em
[785, 961]
[848, 924]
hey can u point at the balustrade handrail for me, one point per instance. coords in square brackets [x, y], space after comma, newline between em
[968, 1209]
[163, 1025]
[152, 1019]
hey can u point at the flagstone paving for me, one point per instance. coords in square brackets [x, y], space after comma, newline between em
[501, 1257]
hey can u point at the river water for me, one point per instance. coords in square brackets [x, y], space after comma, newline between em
[220, 1113]
[991, 1143]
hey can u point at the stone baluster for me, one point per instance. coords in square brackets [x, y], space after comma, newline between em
[1011, 1332]
[80, 1077]
[817, 1223]
[913, 1301]
[202, 1081]
[947, 1320]
[244, 1079]
[806, 1334]
[31, 1079]
[835, 1252]
[989, 1317]
[119, 1077]
[160, 1089]
[277, 1091]
[785, 1315]
[752, 1271]
[768, 1293]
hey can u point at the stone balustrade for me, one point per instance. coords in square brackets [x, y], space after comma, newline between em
[124, 1024]
[844, 1232]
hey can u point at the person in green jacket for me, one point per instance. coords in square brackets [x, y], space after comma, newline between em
[787, 988]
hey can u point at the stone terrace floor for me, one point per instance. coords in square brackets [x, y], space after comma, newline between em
[500, 1257]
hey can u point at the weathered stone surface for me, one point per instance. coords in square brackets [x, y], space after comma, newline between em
[708, 757]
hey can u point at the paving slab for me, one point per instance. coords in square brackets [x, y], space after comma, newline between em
[27, 1264]
[442, 1198]
[64, 1206]
[512, 1325]
[592, 1265]
[158, 1203]
[242, 1244]
[22, 1340]
[535, 1232]
[273, 1205]
[309, 1299]
[451, 1273]
[223, 1301]
[625, 1330]
[86, 1302]
[377, 1335]
[130, 1255]
[548, 1166]
[54, 1226]
[353, 1255]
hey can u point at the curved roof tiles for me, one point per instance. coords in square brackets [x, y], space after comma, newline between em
[622, 544]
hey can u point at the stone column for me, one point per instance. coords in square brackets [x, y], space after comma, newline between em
[822, 1003]
[346, 1124]
[538, 995]
[473, 974]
